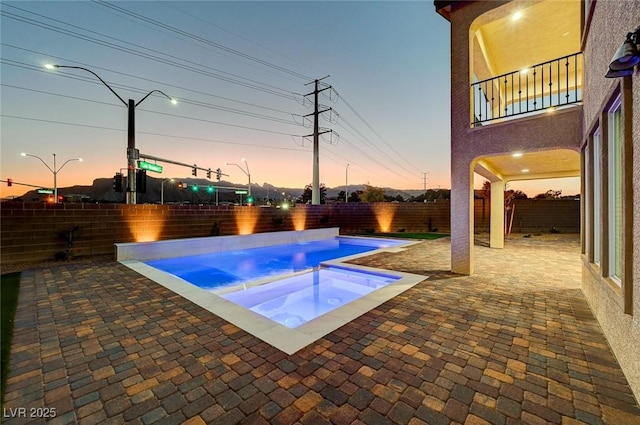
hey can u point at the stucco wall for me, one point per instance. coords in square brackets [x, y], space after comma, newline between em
[559, 130]
[611, 21]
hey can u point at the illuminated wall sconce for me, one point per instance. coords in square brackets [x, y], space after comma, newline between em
[626, 57]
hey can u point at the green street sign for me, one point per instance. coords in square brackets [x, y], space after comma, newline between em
[241, 192]
[46, 191]
[149, 166]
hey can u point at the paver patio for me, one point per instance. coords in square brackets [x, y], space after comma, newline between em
[514, 343]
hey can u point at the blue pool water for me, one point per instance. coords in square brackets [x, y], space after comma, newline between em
[296, 300]
[217, 270]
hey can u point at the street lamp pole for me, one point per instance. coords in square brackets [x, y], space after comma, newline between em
[346, 185]
[132, 152]
[246, 172]
[162, 190]
[53, 170]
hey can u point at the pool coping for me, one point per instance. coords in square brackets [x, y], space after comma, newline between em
[288, 340]
[194, 246]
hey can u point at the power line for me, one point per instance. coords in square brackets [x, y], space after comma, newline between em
[200, 39]
[355, 163]
[366, 154]
[202, 70]
[182, 100]
[163, 83]
[386, 158]
[173, 6]
[192, 69]
[375, 132]
[154, 134]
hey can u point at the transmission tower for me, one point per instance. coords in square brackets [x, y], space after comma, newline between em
[315, 193]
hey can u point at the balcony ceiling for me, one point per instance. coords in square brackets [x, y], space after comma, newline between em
[539, 165]
[546, 30]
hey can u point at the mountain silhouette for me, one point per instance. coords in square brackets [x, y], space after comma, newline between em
[101, 190]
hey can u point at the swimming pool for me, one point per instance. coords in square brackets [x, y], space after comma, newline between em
[213, 271]
[299, 299]
[297, 287]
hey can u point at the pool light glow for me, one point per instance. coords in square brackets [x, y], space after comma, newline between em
[291, 333]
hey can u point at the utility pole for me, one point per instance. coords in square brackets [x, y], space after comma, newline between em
[315, 193]
[424, 181]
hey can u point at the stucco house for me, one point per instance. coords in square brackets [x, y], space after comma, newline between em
[534, 95]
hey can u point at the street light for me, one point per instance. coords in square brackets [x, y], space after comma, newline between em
[54, 170]
[346, 185]
[132, 152]
[248, 174]
[162, 190]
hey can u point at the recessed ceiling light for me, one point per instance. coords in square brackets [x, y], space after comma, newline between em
[516, 16]
[517, 154]
[525, 170]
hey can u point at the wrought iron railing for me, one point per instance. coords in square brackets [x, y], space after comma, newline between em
[547, 85]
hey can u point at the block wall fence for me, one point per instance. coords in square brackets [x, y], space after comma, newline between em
[31, 231]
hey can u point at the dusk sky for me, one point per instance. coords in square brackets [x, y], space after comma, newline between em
[238, 71]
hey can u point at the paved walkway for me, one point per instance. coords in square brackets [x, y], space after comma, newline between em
[515, 343]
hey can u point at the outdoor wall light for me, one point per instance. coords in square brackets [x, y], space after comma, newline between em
[626, 57]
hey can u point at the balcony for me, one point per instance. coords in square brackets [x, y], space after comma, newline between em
[522, 59]
[539, 88]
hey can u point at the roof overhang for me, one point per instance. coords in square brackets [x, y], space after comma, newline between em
[443, 7]
[548, 164]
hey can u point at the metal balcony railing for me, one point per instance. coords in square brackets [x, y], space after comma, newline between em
[547, 85]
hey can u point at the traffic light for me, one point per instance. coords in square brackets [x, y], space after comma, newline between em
[250, 200]
[117, 182]
[180, 185]
[209, 173]
[211, 189]
[9, 182]
[194, 172]
[218, 174]
[141, 181]
[194, 188]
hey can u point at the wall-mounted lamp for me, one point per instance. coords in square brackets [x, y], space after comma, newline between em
[626, 57]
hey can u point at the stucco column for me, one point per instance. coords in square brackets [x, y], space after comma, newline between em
[462, 216]
[496, 229]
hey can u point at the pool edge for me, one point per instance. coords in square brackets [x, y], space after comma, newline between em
[279, 336]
